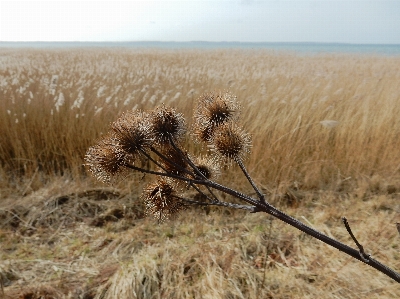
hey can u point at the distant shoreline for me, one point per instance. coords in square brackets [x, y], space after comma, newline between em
[301, 47]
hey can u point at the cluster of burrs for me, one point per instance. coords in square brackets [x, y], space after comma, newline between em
[139, 139]
[157, 137]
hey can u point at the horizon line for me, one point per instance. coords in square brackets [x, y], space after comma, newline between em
[204, 41]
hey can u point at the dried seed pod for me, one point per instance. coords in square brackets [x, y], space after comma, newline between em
[133, 133]
[203, 132]
[213, 109]
[231, 142]
[105, 159]
[161, 201]
[208, 166]
[166, 123]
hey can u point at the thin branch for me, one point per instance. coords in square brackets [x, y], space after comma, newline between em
[363, 255]
[151, 159]
[202, 193]
[190, 162]
[219, 203]
[212, 193]
[268, 208]
[172, 162]
[260, 205]
[243, 168]
[166, 174]
[332, 242]
[257, 206]
[179, 151]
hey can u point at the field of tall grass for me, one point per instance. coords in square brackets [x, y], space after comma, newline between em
[325, 142]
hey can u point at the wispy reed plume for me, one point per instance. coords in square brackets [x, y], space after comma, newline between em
[100, 91]
[79, 100]
[53, 84]
[59, 101]
[327, 123]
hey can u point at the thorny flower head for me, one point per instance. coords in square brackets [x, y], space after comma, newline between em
[161, 200]
[105, 159]
[166, 123]
[231, 142]
[133, 133]
[208, 166]
[213, 110]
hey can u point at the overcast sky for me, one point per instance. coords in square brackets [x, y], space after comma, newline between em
[348, 21]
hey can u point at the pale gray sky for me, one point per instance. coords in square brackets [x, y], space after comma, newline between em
[347, 21]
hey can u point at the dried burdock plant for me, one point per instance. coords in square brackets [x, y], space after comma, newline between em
[213, 110]
[161, 200]
[156, 138]
[106, 159]
[167, 123]
[133, 133]
[208, 166]
[231, 142]
[216, 109]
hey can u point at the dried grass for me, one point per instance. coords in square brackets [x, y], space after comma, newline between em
[215, 254]
[325, 144]
[307, 114]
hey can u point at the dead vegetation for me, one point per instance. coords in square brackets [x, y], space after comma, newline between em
[325, 145]
[217, 253]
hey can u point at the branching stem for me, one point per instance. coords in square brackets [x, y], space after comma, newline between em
[180, 152]
[171, 162]
[244, 170]
[259, 206]
[201, 192]
[190, 162]
[152, 160]
[365, 257]
[102, 159]
[219, 203]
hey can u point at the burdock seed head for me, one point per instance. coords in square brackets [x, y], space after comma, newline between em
[213, 110]
[166, 123]
[208, 166]
[231, 142]
[105, 160]
[161, 201]
[203, 132]
[133, 132]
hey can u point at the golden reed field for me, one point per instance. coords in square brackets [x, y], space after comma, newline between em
[325, 135]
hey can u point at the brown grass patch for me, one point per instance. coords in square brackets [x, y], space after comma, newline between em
[325, 133]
